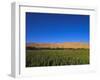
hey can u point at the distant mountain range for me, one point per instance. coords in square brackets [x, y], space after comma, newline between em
[58, 45]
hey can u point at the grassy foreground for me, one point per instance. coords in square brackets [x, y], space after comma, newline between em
[56, 57]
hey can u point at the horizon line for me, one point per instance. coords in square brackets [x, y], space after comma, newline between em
[57, 42]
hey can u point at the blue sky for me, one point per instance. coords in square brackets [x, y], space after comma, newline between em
[55, 28]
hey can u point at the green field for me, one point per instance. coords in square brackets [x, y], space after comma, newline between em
[56, 57]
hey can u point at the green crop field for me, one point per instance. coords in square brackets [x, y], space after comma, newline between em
[46, 57]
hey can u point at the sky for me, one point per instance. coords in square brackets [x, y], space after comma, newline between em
[56, 28]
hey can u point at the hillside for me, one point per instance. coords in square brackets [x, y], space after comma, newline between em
[58, 45]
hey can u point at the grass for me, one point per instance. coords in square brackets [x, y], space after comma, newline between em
[56, 57]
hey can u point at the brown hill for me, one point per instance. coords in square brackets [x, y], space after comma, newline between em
[58, 45]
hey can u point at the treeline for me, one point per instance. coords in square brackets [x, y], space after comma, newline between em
[35, 48]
